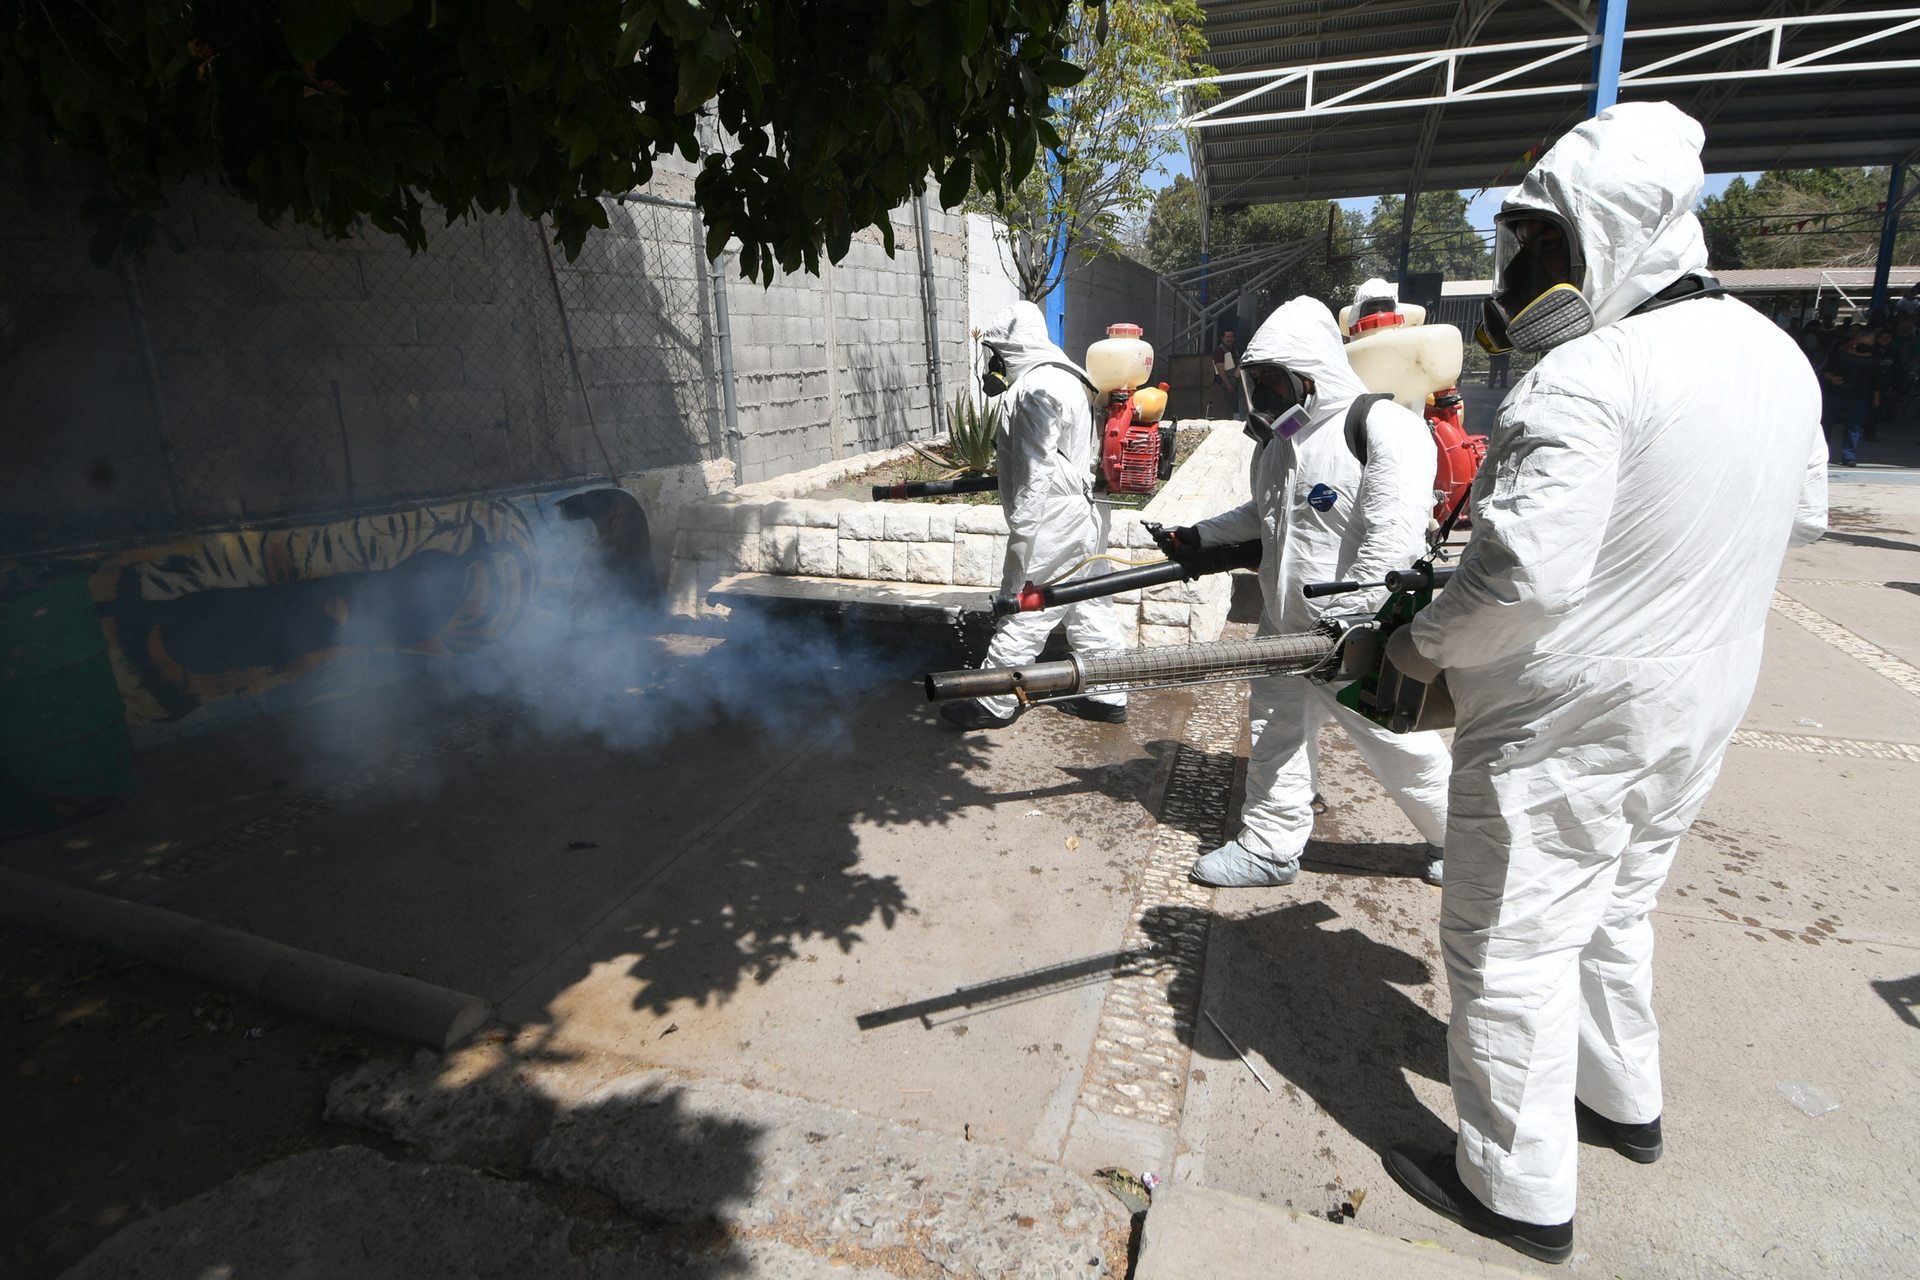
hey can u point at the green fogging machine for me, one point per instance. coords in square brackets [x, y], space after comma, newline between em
[1349, 648]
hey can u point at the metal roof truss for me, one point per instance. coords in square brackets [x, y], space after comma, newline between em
[1508, 84]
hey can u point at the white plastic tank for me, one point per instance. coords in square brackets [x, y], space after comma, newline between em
[1410, 360]
[1121, 359]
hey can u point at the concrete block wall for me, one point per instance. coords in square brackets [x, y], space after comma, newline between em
[835, 365]
[956, 545]
[1113, 289]
[299, 376]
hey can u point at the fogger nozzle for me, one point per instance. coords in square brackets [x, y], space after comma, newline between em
[1031, 599]
[1155, 668]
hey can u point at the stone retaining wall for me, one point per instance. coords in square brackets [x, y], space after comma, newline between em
[952, 543]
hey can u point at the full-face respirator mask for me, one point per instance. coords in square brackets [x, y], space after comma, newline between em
[1536, 304]
[1277, 402]
[993, 382]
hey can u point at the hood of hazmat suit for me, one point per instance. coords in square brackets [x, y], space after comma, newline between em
[1611, 184]
[1375, 290]
[1602, 638]
[1321, 515]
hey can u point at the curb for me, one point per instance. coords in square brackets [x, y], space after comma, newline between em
[320, 987]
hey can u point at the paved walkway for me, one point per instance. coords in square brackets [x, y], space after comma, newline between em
[814, 890]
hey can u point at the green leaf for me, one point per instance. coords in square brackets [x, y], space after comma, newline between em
[699, 77]
[584, 142]
[973, 25]
[381, 12]
[1061, 74]
[762, 65]
[314, 27]
[959, 180]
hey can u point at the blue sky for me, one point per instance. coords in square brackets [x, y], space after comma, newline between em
[1480, 212]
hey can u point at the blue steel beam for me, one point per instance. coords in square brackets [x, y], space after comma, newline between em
[1611, 26]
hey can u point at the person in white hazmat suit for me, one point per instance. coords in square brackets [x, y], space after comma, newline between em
[1045, 460]
[1321, 516]
[1371, 298]
[1601, 640]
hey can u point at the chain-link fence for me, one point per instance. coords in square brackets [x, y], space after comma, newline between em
[261, 374]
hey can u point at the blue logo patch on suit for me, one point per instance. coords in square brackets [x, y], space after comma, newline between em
[1322, 497]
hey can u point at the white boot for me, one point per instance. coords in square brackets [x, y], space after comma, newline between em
[1232, 867]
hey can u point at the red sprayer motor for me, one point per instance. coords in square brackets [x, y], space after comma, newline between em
[1136, 452]
[1460, 453]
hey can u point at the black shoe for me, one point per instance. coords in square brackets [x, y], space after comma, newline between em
[1848, 462]
[969, 714]
[1099, 712]
[1434, 1182]
[1639, 1142]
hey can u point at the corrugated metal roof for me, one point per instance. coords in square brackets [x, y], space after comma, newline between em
[1753, 280]
[1791, 279]
[1816, 121]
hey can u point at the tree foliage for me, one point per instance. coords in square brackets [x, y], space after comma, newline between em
[331, 111]
[1442, 240]
[1803, 218]
[1078, 200]
[1173, 243]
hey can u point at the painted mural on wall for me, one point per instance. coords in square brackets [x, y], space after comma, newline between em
[233, 615]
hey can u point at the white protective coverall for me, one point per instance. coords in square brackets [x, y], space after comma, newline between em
[1045, 459]
[1601, 641]
[1321, 519]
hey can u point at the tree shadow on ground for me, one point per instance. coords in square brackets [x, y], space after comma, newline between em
[1324, 1007]
[1902, 996]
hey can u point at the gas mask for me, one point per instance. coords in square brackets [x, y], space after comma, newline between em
[994, 381]
[1535, 305]
[1277, 402]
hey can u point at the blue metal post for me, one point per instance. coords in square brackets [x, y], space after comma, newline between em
[1889, 231]
[1056, 306]
[1610, 23]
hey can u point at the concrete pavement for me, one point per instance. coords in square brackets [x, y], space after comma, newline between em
[814, 891]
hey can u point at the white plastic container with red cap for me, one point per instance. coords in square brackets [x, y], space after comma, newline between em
[1121, 360]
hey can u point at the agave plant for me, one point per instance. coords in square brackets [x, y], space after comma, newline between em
[971, 427]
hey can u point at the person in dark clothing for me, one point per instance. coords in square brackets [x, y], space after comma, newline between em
[1887, 372]
[1849, 371]
[1497, 364]
[1224, 356]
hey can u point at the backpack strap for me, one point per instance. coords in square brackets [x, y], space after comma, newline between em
[1357, 422]
[1071, 368]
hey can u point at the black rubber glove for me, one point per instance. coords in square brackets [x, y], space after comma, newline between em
[1181, 544]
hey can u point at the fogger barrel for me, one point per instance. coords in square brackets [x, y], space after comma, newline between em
[1157, 668]
[937, 488]
[1030, 599]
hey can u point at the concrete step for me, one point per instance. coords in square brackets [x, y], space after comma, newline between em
[1194, 1233]
[521, 1164]
[691, 1153]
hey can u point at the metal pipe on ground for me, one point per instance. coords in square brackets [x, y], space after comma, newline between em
[936, 488]
[1156, 668]
[320, 987]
